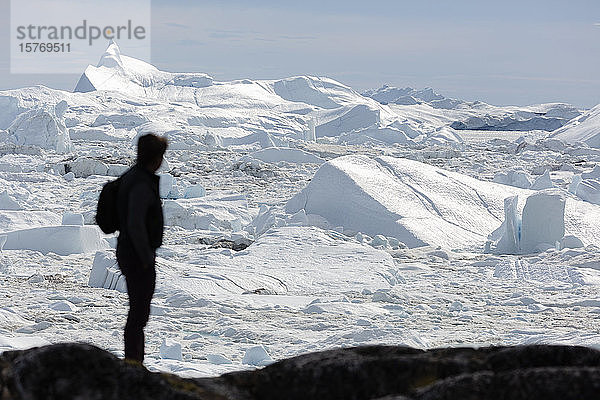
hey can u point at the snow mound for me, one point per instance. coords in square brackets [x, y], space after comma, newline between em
[378, 134]
[118, 72]
[359, 116]
[418, 204]
[278, 154]
[584, 129]
[61, 240]
[12, 220]
[320, 92]
[43, 127]
[284, 261]
[210, 212]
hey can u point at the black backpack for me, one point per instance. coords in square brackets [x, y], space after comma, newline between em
[107, 214]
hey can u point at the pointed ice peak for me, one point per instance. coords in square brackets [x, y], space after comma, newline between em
[117, 71]
[111, 57]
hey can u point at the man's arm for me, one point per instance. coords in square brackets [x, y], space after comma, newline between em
[138, 205]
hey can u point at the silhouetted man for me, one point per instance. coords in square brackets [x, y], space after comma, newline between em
[140, 234]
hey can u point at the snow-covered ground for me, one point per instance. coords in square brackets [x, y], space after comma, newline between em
[301, 216]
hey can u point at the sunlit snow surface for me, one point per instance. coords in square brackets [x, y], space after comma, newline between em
[308, 280]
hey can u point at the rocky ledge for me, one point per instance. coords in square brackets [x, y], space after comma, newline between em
[80, 371]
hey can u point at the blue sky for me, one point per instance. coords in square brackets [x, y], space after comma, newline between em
[501, 52]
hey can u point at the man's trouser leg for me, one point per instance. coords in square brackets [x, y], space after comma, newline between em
[140, 288]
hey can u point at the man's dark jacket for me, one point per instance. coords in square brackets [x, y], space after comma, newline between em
[140, 216]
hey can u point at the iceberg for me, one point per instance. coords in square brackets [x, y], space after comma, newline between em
[583, 129]
[419, 204]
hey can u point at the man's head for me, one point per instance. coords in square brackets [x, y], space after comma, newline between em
[151, 149]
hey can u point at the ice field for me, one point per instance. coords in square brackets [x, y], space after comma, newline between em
[301, 216]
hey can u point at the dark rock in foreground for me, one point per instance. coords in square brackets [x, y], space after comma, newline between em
[80, 371]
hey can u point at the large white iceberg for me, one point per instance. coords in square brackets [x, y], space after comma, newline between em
[120, 96]
[419, 204]
[540, 226]
[542, 221]
[62, 240]
[116, 71]
[43, 127]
